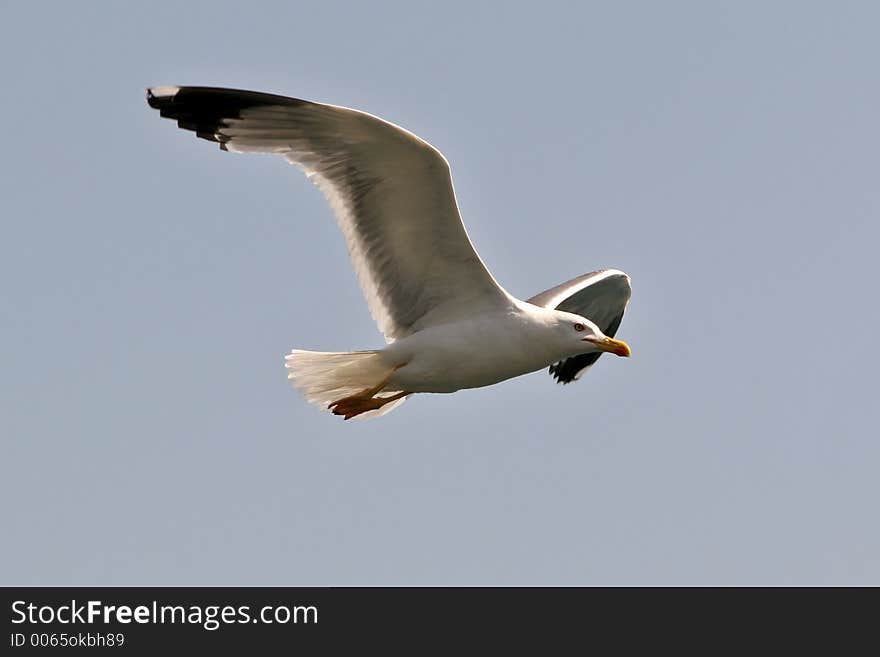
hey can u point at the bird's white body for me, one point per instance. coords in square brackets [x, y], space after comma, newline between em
[475, 352]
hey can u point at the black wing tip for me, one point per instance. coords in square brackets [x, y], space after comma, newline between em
[205, 110]
[161, 97]
[558, 376]
[567, 371]
[201, 110]
[216, 100]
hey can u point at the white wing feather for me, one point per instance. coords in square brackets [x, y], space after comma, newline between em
[390, 191]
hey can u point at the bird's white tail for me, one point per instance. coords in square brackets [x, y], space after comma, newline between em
[325, 377]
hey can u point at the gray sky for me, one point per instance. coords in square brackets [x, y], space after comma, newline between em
[725, 155]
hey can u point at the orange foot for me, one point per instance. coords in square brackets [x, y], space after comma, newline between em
[349, 407]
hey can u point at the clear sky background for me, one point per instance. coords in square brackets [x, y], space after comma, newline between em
[724, 154]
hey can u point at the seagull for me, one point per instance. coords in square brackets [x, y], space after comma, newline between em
[447, 322]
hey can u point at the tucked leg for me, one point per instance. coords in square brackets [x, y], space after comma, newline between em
[365, 400]
[352, 406]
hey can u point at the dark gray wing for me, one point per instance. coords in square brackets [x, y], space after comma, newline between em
[600, 296]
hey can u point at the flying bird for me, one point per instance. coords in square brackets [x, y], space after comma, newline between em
[447, 322]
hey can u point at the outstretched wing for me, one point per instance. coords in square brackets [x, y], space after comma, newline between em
[391, 193]
[600, 296]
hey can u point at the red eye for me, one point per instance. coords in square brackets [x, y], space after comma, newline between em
[578, 327]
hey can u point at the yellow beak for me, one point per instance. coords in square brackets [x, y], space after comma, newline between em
[612, 346]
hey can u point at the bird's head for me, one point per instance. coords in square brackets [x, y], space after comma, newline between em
[584, 337]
